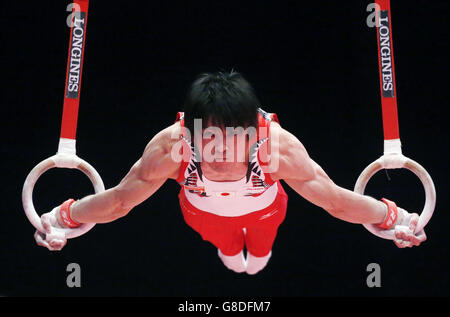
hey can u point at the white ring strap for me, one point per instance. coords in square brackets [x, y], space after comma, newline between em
[65, 158]
[393, 161]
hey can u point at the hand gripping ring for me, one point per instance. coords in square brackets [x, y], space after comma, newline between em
[58, 161]
[392, 161]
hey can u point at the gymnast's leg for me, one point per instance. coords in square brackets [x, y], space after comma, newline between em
[260, 236]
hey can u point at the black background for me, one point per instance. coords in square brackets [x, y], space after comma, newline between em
[314, 64]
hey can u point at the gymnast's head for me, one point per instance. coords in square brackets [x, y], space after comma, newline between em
[220, 100]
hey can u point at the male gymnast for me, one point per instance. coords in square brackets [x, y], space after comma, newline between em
[231, 192]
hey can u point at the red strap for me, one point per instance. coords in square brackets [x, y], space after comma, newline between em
[263, 122]
[386, 70]
[391, 216]
[184, 163]
[74, 69]
[64, 212]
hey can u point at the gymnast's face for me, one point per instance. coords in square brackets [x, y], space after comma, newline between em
[224, 147]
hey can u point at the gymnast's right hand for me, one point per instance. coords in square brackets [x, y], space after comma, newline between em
[52, 239]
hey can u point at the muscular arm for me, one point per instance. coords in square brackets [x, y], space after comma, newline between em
[146, 176]
[309, 180]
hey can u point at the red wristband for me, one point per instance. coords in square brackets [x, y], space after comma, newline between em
[391, 216]
[64, 212]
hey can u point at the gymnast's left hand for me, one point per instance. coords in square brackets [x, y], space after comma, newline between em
[52, 239]
[404, 230]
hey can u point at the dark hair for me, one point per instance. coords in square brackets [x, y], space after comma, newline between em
[221, 99]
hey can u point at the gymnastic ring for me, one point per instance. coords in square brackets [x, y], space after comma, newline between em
[58, 161]
[393, 161]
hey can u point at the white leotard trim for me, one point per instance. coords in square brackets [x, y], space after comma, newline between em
[233, 205]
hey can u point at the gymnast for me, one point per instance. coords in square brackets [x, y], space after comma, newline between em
[229, 156]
